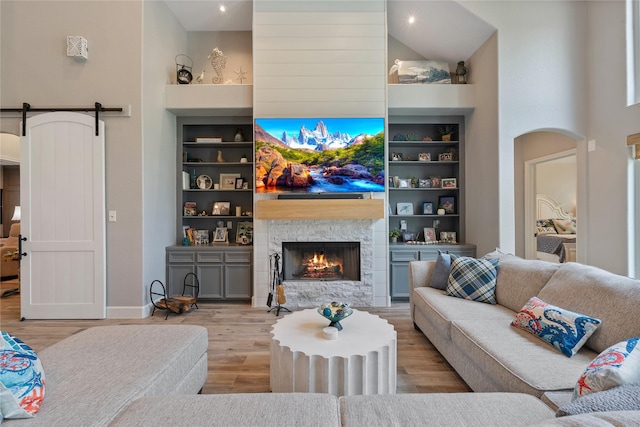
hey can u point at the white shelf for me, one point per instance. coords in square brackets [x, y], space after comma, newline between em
[206, 100]
[431, 99]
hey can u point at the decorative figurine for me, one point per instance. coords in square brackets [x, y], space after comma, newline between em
[220, 159]
[218, 62]
[240, 75]
[461, 73]
[239, 136]
[200, 78]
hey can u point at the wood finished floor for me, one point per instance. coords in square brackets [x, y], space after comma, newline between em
[239, 338]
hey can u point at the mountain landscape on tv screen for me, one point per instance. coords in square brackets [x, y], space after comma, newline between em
[319, 155]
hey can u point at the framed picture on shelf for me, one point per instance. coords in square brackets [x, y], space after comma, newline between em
[448, 203]
[424, 183]
[221, 208]
[403, 208]
[220, 235]
[435, 182]
[244, 234]
[427, 208]
[228, 181]
[424, 157]
[190, 209]
[404, 183]
[449, 183]
[445, 157]
[408, 236]
[448, 236]
[245, 185]
[430, 234]
[239, 182]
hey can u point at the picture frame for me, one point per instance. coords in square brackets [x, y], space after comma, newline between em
[201, 237]
[238, 184]
[228, 181]
[449, 183]
[190, 209]
[448, 203]
[423, 72]
[445, 157]
[244, 233]
[245, 185]
[448, 236]
[424, 183]
[435, 182]
[221, 208]
[404, 183]
[404, 208]
[408, 236]
[430, 234]
[427, 208]
[424, 157]
[220, 235]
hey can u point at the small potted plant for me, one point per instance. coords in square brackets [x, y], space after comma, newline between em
[243, 158]
[441, 210]
[394, 234]
[446, 133]
[414, 182]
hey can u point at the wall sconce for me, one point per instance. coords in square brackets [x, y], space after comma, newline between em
[16, 214]
[77, 47]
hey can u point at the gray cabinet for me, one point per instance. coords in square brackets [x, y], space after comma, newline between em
[225, 273]
[401, 254]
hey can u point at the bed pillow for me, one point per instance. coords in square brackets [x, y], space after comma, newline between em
[565, 330]
[21, 379]
[622, 398]
[440, 274]
[545, 226]
[564, 226]
[617, 365]
[473, 279]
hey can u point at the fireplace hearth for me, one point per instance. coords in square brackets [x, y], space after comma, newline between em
[321, 261]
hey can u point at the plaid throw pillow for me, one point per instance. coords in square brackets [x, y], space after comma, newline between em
[473, 279]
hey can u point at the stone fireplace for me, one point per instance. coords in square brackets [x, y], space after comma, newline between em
[321, 261]
[310, 292]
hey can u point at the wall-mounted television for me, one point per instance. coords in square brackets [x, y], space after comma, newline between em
[319, 155]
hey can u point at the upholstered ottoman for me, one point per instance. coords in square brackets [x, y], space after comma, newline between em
[95, 374]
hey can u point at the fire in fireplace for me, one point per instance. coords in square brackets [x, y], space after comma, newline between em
[321, 260]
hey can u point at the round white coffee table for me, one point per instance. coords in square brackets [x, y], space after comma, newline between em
[362, 360]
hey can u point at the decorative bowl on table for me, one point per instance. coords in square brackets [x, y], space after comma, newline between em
[335, 312]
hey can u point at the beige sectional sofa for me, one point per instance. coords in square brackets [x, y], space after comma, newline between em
[492, 356]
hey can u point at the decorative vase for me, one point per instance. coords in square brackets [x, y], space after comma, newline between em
[220, 159]
[446, 137]
[394, 240]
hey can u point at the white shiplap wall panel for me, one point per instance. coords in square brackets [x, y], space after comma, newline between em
[320, 53]
[312, 57]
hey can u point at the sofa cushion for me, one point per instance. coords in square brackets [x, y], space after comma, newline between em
[442, 409]
[242, 409]
[520, 279]
[441, 309]
[617, 365]
[22, 379]
[622, 398]
[441, 270]
[473, 279]
[603, 295]
[565, 330]
[594, 419]
[516, 360]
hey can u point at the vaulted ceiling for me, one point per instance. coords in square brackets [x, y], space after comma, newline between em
[442, 30]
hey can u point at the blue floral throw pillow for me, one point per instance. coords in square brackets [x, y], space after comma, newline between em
[21, 379]
[615, 366]
[565, 330]
[473, 279]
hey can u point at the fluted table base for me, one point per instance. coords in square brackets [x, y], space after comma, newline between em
[361, 361]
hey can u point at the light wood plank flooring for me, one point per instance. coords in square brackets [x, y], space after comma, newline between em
[239, 338]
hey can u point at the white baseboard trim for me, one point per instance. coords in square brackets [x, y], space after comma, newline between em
[134, 312]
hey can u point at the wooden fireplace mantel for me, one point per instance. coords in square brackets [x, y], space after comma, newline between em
[320, 209]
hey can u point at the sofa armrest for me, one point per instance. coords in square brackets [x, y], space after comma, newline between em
[420, 273]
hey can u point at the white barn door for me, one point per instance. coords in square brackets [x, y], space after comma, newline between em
[62, 197]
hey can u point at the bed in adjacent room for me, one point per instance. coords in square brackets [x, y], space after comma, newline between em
[555, 231]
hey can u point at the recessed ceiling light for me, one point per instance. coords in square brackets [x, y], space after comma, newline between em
[222, 8]
[412, 19]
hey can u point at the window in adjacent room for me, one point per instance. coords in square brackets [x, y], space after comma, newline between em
[633, 52]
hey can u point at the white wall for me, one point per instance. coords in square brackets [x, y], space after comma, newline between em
[162, 37]
[35, 69]
[610, 121]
